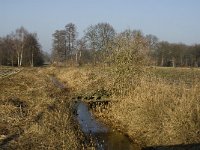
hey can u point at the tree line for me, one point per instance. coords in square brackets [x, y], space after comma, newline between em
[176, 54]
[20, 48]
[93, 47]
[99, 41]
[98, 44]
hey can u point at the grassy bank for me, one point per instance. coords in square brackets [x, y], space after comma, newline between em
[35, 114]
[153, 106]
[161, 109]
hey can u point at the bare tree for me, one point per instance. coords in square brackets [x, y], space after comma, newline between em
[100, 36]
[20, 48]
[7, 50]
[33, 51]
[80, 47]
[64, 42]
[71, 35]
[100, 39]
[59, 46]
[21, 34]
[153, 46]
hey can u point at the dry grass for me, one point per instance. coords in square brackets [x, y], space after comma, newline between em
[170, 74]
[34, 113]
[155, 112]
[83, 80]
[7, 71]
[158, 113]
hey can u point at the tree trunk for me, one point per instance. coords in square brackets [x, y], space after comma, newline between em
[80, 54]
[173, 62]
[181, 61]
[12, 62]
[186, 64]
[32, 60]
[162, 62]
[22, 48]
[195, 64]
[21, 57]
[18, 59]
[76, 57]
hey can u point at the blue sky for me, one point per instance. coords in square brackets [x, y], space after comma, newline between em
[170, 20]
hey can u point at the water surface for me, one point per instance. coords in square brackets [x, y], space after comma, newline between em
[103, 137]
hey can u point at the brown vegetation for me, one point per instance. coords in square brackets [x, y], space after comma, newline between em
[34, 113]
[155, 112]
[153, 106]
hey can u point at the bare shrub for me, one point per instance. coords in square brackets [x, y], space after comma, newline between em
[128, 58]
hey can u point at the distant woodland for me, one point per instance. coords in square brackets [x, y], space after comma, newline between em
[20, 48]
[97, 45]
[99, 40]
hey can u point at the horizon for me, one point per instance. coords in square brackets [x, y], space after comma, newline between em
[172, 21]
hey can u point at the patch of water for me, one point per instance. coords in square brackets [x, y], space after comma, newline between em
[104, 137]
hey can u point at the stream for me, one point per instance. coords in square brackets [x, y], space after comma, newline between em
[104, 138]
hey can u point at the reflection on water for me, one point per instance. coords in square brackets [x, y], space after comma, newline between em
[114, 141]
[104, 138]
[87, 122]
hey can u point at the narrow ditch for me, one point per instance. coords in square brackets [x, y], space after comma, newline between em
[102, 136]
[99, 136]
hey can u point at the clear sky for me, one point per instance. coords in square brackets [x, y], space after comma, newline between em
[170, 20]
